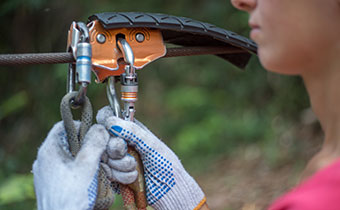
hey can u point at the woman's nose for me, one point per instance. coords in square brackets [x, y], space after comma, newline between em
[245, 5]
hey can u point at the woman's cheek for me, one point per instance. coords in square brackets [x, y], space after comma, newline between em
[268, 58]
[279, 59]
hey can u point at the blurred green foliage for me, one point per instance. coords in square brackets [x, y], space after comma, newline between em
[14, 104]
[17, 188]
[202, 107]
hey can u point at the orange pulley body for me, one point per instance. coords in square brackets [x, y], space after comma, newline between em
[105, 52]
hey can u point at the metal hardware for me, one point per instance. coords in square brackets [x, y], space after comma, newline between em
[105, 56]
[84, 64]
[112, 96]
[133, 194]
[84, 36]
[129, 87]
[140, 37]
[73, 39]
[101, 38]
[71, 79]
[79, 44]
[80, 98]
[126, 49]
[67, 57]
[129, 90]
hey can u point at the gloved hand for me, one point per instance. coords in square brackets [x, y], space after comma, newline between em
[118, 165]
[62, 181]
[168, 185]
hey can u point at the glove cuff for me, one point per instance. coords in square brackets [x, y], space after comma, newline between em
[185, 195]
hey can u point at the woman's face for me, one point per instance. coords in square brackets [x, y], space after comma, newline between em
[294, 35]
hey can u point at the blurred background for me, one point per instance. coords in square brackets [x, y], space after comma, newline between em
[244, 135]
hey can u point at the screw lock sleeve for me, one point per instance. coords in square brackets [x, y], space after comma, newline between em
[84, 64]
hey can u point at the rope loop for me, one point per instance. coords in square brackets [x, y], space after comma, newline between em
[75, 138]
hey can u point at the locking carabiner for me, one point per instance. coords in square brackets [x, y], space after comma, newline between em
[112, 96]
[133, 194]
[80, 72]
[129, 83]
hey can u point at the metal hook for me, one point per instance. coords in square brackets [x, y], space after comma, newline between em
[85, 34]
[112, 96]
[129, 90]
[71, 78]
[126, 49]
[129, 87]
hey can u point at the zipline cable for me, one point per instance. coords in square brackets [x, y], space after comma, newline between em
[66, 57]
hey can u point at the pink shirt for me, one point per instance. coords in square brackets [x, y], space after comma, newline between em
[319, 192]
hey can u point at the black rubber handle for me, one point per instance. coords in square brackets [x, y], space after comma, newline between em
[182, 31]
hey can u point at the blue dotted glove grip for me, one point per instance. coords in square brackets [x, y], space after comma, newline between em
[92, 191]
[158, 171]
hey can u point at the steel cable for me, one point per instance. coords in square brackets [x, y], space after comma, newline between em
[35, 58]
[66, 57]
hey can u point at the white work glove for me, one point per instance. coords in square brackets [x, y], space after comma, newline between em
[118, 165]
[62, 181]
[168, 185]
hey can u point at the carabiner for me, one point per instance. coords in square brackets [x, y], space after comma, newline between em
[81, 71]
[112, 96]
[129, 87]
[126, 49]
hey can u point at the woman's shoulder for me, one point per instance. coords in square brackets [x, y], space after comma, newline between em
[319, 192]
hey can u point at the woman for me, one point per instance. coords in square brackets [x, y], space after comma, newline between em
[302, 38]
[299, 37]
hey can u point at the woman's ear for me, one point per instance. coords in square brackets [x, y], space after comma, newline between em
[244, 5]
